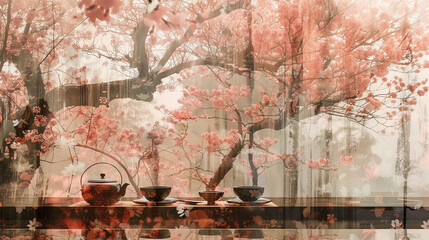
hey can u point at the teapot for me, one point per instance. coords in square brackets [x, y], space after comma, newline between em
[102, 191]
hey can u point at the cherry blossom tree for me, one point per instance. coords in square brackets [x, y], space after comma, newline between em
[274, 63]
[318, 58]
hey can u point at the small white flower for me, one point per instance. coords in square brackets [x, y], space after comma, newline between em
[15, 145]
[33, 225]
[19, 209]
[396, 224]
[132, 233]
[183, 211]
[22, 167]
[425, 224]
[73, 169]
[300, 225]
[418, 205]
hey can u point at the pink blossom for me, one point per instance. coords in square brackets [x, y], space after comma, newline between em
[26, 176]
[36, 110]
[313, 164]
[349, 109]
[177, 19]
[346, 158]
[249, 112]
[233, 137]
[213, 141]
[99, 9]
[258, 161]
[411, 87]
[109, 4]
[231, 94]
[324, 162]
[218, 102]
[182, 114]
[155, 17]
[374, 103]
[217, 93]
[372, 172]
[265, 99]
[40, 120]
[244, 91]
[267, 142]
[195, 103]
[393, 94]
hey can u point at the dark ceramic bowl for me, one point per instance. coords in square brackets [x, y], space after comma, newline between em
[249, 193]
[155, 193]
[155, 234]
[211, 196]
[209, 232]
[249, 234]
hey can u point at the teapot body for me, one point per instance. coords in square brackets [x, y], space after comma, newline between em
[102, 191]
[104, 194]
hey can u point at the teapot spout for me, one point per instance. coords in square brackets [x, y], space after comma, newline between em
[123, 189]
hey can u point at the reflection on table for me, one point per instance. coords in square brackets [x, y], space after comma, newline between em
[191, 234]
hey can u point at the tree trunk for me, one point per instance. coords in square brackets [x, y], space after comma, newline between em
[294, 174]
[249, 60]
[225, 166]
[253, 168]
[402, 167]
[325, 175]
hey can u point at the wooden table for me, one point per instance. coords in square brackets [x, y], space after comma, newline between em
[332, 213]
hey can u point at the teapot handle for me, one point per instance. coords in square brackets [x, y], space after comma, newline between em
[97, 164]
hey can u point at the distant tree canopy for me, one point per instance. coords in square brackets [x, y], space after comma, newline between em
[324, 57]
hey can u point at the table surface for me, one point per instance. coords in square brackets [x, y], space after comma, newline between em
[282, 213]
[276, 202]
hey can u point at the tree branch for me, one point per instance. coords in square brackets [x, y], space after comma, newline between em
[90, 94]
[6, 35]
[179, 67]
[190, 31]
[267, 123]
[230, 66]
[140, 59]
[31, 72]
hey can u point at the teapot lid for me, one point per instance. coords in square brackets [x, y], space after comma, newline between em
[102, 179]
